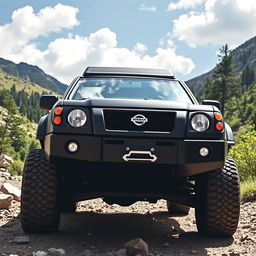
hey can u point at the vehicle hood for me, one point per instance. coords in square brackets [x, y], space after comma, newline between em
[137, 104]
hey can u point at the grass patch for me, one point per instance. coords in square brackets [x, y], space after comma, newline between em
[248, 190]
[7, 81]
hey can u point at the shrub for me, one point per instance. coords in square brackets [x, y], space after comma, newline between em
[16, 168]
[248, 190]
[244, 154]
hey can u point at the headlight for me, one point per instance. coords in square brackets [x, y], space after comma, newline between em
[200, 122]
[77, 118]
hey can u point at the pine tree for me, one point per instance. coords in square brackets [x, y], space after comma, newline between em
[223, 84]
[11, 132]
[247, 78]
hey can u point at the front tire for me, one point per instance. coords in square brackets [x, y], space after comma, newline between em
[218, 201]
[39, 199]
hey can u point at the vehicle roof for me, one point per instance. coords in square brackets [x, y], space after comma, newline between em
[150, 72]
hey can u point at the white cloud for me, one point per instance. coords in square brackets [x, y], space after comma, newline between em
[66, 57]
[140, 49]
[26, 26]
[221, 21]
[143, 7]
[184, 4]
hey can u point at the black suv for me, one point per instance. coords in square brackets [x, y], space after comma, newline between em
[127, 135]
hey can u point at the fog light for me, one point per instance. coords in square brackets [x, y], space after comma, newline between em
[72, 147]
[204, 151]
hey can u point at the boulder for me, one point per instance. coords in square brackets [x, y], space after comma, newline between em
[5, 201]
[6, 175]
[7, 188]
[136, 247]
[6, 158]
[4, 163]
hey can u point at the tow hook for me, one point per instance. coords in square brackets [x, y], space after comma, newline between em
[135, 155]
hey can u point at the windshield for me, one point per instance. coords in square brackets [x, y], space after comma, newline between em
[129, 88]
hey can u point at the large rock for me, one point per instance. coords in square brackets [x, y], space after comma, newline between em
[136, 247]
[7, 158]
[5, 161]
[6, 175]
[5, 201]
[7, 188]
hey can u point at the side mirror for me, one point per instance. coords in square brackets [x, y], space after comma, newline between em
[211, 102]
[47, 101]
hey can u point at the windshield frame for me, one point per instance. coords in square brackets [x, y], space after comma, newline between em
[77, 79]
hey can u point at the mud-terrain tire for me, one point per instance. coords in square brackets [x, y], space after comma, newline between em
[176, 208]
[39, 198]
[218, 201]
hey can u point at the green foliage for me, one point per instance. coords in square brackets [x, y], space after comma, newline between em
[248, 190]
[12, 135]
[223, 85]
[28, 103]
[247, 78]
[244, 153]
[16, 168]
[16, 137]
[238, 100]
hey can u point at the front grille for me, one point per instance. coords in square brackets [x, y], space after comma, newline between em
[154, 121]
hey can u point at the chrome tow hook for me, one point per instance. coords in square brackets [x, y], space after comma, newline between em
[135, 155]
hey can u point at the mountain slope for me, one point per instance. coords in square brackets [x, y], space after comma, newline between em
[7, 81]
[243, 55]
[32, 74]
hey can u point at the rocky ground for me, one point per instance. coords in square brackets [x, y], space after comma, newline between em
[100, 229]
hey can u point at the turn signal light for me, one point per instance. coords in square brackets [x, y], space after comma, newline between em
[58, 111]
[57, 120]
[218, 117]
[219, 126]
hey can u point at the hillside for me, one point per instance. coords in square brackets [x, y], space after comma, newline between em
[25, 94]
[32, 74]
[7, 81]
[243, 55]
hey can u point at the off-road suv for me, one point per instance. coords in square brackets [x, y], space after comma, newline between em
[125, 135]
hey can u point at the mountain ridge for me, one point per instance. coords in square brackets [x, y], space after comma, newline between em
[32, 74]
[243, 55]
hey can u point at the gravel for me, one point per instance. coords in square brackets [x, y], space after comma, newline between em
[100, 229]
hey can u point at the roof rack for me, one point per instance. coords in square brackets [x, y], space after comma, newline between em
[93, 71]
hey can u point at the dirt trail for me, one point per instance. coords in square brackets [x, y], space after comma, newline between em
[97, 228]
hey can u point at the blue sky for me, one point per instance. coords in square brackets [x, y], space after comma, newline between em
[63, 37]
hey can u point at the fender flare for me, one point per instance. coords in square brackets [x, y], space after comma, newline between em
[229, 135]
[41, 128]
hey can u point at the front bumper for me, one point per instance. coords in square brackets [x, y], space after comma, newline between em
[182, 155]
